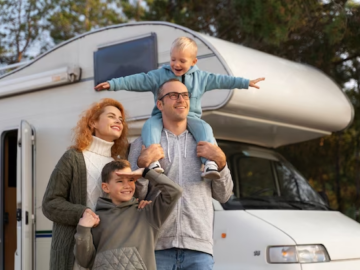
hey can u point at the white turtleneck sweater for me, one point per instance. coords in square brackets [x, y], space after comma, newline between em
[96, 156]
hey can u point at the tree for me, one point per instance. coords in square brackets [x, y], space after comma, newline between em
[73, 17]
[22, 23]
[40, 24]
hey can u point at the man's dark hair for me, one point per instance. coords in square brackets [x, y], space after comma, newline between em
[161, 88]
[113, 166]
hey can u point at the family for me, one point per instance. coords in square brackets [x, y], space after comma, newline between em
[154, 210]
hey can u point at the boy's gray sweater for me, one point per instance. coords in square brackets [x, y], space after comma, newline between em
[125, 237]
[190, 225]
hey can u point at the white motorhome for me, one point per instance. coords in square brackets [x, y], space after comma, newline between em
[274, 220]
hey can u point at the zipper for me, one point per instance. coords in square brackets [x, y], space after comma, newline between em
[180, 200]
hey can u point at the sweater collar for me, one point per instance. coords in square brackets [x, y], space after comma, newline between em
[182, 134]
[100, 147]
[106, 204]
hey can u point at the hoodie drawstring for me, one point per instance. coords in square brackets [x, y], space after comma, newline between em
[185, 142]
[168, 145]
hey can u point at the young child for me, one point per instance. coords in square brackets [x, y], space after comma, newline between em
[126, 236]
[183, 67]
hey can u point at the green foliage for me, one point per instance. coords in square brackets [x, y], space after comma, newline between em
[21, 25]
[25, 23]
[73, 17]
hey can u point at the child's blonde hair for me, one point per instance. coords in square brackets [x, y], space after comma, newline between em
[185, 43]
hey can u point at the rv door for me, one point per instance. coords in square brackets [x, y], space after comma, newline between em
[24, 198]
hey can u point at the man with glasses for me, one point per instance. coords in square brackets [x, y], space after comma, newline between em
[185, 240]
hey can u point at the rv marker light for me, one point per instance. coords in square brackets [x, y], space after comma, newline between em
[298, 254]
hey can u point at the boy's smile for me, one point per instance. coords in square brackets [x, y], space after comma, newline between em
[120, 188]
[181, 61]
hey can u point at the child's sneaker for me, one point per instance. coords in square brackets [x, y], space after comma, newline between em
[156, 166]
[211, 171]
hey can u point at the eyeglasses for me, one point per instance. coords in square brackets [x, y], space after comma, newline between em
[175, 95]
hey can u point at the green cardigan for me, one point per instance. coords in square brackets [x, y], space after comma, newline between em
[64, 203]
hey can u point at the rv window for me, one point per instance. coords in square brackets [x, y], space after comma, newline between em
[265, 180]
[294, 187]
[256, 177]
[127, 58]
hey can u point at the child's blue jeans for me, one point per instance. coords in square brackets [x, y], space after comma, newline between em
[151, 131]
[183, 259]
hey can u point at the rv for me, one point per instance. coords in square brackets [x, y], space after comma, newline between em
[273, 220]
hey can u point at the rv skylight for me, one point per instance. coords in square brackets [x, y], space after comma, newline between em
[47, 79]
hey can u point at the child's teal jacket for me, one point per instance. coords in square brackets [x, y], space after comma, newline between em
[196, 81]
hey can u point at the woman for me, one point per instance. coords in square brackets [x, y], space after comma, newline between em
[75, 183]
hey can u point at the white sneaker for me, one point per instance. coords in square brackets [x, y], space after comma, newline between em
[156, 166]
[211, 170]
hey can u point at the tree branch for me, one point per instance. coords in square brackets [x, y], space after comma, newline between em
[346, 59]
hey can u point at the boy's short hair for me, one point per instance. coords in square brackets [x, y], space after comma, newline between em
[113, 166]
[185, 43]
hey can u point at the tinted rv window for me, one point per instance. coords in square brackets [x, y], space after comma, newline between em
[257, 178]
[263, 179]
[126, 58]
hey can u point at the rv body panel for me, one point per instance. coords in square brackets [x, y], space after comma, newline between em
[342, 245]
[239, 246]
[348, 265]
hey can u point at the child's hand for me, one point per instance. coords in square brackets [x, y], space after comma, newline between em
[253, 83]
[89, 219]
[102, 86]
[143, 203]
[136, 174]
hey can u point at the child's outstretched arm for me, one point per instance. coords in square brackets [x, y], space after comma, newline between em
[84, 247]
[138, 82]
[219, 81]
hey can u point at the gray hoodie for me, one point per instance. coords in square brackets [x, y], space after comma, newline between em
[125, 237]
[190, 225]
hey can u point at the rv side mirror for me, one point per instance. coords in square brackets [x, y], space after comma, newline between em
[324, 197]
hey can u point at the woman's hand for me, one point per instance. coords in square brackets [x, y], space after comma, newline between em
[102, 86]
[89, 219]
[253, 83]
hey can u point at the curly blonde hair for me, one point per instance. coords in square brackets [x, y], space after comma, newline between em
[84, 131]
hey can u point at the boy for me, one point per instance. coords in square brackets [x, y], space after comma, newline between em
[125, 237]
[183, 67]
